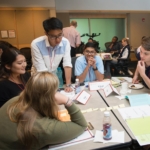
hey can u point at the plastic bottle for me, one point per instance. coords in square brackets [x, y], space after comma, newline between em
[77, 86]
[59, 75]
[107, 126]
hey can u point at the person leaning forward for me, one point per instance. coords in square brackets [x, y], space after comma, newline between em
[47, 51]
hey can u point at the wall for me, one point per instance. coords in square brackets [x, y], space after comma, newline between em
[102, 5]
[64, 17]
[27, 24]
[138, 28]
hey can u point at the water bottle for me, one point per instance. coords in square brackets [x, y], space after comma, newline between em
[77, 86]
[59, 75]
[107, 126]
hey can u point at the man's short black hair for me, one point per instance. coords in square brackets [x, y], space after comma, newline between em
[92, 45]
[52, 24]
[116, 38]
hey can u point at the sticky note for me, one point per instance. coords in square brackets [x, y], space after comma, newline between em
[102, 109]
[122, 105]
[95, 109]
[109, 108]
[89, 110]
[115, 107]
[83, 111]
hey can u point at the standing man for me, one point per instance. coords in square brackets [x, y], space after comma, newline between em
[73, 36]
[47, 51]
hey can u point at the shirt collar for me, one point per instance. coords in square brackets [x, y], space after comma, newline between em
[48, 44]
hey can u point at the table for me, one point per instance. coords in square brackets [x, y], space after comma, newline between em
[111, 100]
[96, 118]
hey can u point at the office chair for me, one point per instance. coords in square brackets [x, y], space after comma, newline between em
[137, 55]
[26, 51]
[107, 45]
[121, 68]
[73, 77]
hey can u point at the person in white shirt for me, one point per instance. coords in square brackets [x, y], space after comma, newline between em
[48, 51]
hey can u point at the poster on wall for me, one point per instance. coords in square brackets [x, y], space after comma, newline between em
[4, 34]
[11, 33]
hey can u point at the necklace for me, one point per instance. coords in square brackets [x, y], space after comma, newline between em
[18, 84]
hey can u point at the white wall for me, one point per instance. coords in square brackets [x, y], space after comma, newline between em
[27, 3]
[102, 5]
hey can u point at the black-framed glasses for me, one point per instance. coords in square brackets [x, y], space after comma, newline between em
[90, 52]
[52, 37]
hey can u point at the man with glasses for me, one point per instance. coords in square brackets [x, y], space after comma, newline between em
[73, 36]
[89, 67]
[47, 51]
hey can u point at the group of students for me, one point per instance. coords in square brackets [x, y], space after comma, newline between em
[29, 118]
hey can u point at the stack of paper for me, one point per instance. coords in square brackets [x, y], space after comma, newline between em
[117, 137]
[138, 120]
[139, 99]
[84, 137]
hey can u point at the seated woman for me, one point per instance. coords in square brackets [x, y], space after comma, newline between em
[13, 76]
[143, 66]
[89, 67]
[124, 53]
[32, 121]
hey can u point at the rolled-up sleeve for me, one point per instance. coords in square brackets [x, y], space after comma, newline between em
[67, 57]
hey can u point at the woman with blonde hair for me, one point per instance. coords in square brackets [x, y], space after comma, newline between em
[32, 121]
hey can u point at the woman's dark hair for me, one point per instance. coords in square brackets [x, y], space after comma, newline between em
[90, 44]
[6, 44]
[52, 24]
[7, 58]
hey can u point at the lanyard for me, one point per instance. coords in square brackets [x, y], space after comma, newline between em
[53, 57]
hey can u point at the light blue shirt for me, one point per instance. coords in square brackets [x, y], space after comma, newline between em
[81, 64]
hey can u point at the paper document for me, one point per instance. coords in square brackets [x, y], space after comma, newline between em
[140, 128]
[117, 137]
[139, 99]
[135, 112]
[93, 86]
[86, 136]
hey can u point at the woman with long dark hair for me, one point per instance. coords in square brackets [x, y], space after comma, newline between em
[13, 76]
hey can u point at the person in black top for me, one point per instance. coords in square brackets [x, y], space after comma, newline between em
[114, 47]
[13, 76]
[143, 66]
[124, 53]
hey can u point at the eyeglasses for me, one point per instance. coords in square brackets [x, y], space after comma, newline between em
[90, 52]
[52, 37]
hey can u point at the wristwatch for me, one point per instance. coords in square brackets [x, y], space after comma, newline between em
[68, 85]
[95, 69]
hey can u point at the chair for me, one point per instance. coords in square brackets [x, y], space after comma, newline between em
[73, 60]
[26, 51]
[121, 68]
[137, 55]
[107, 45]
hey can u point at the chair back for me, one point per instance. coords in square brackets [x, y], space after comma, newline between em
[137, 55]
[26, 51]
[107, 45]
[73, 77]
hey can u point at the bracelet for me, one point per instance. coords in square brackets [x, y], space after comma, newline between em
[68, 103]
[68, 85]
